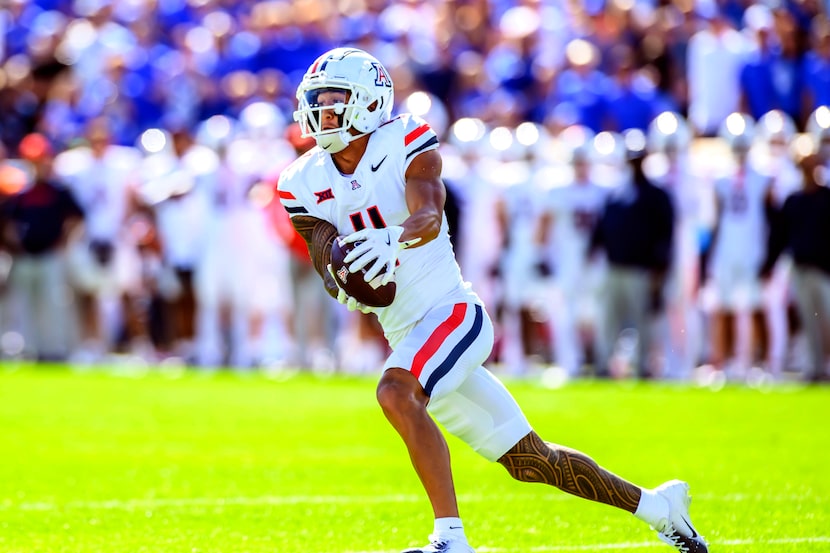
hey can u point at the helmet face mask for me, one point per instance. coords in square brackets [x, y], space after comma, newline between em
[354, 86]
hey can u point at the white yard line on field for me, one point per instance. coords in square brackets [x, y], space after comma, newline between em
[185, 502]
[640, 545]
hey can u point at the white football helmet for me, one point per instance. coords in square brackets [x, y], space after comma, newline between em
[818, 127]
[367, 103]
[738, 130]
[775, 126]
[669, 132]
[578, 141]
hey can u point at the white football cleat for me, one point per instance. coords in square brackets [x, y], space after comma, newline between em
[677, 529]
[442, 545]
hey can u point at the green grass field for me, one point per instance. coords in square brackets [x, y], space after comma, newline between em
[186, 463]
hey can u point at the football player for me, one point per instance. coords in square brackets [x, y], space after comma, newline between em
[669, 165]
[743, 198]
[569, 213]
[101, 262]
[772, 156]
[377, 179]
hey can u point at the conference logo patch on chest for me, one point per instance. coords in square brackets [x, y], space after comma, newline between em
[324, 195]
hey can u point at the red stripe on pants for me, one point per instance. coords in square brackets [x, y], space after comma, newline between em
[437, 338]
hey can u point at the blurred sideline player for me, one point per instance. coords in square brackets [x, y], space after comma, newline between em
[242, 273]
[377, 179]
[569, 214]
[519, 284]
[742, 200]
[102, 262]
[311, 324]
[772, 156]
[178, 179]
[669, 139]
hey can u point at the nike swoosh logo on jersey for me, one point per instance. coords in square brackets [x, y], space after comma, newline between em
[376, 167]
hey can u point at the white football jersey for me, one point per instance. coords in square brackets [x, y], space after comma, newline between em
[576, 208]
[684, 190]
[427, 276]
[100, 186]
[742, 231]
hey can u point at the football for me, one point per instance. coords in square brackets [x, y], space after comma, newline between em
[367, 293]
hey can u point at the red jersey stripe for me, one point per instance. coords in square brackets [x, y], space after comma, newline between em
[411, 137]
[285, 195]
[437, 338]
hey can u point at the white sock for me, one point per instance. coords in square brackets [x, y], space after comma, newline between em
[653, 508]
[449, 527]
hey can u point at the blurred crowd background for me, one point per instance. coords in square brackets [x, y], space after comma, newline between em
[624, 177]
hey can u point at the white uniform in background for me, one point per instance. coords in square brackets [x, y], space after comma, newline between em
[243, 267]
[520, 287]
[685, 332]
[771, 157]
[478, 230]
[180, 191]
[575, 209]
[740, 246]
[102, 262]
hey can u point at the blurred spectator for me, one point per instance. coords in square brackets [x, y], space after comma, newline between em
[35, 225]
[770, 77]
[715, 57]
[631, 97]
[579, 91]
[816, 68]
[635, 231]
[801, 229]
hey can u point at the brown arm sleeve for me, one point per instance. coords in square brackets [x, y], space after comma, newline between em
[319, 236]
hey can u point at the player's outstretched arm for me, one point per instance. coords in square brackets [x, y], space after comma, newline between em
[425, 197]
[319, 235]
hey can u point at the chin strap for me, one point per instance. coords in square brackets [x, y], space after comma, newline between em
[337, 142]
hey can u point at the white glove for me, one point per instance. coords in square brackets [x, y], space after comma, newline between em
[380, 245]
[344, 298]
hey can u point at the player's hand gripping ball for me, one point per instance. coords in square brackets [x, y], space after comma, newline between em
[372, 293]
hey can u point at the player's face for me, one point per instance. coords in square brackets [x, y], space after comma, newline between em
[582, 169]
[330, 104]
[778, 148]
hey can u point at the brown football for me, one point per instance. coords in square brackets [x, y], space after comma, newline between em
[367, 293]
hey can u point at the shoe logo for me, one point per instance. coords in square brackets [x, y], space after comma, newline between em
[376, 167]
[451, 527]
[689, 524]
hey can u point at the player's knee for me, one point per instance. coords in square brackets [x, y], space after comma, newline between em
[399, 391]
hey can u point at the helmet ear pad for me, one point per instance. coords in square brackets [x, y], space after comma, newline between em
[366, 119]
